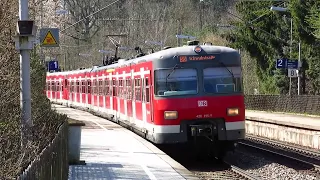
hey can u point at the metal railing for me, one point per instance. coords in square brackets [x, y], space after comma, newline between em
[52, 162]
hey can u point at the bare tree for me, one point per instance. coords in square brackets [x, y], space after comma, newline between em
[82, 9]
[141, 20]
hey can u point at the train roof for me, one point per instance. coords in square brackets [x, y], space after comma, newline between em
[167, 53]
[70, 72]
[184, 50]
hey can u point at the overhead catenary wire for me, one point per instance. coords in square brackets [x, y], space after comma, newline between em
[256, 28]
[105, 7]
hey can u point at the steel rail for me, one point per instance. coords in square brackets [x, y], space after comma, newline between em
[241, 172]
[315, 166]
[293, 148]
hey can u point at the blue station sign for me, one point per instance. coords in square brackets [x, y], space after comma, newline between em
[287, 64]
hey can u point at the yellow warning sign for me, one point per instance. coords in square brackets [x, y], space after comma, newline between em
[49, 39]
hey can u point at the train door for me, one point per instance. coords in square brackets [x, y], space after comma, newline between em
[110, 94]
[137, 100]
[114, 97]
[89, 92]
[146, 107]
[83, 92]
[106, 104]
[118, 97]
[53, 93]
[65, 89]
[129, 98]
[72, 91]
[58, 92]
[100, 95]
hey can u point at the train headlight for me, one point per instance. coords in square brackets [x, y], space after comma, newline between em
[170, 115]
[233, 111]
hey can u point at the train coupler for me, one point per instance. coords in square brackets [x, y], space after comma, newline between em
[201, 130]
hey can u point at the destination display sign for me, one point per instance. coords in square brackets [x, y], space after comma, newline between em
[196, 58]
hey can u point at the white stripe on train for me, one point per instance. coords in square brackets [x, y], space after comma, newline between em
[151, 127]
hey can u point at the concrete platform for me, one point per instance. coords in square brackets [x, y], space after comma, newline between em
[296, 129]
[113, 152]
[300, 121]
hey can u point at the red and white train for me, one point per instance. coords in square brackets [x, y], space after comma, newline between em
[177, 95]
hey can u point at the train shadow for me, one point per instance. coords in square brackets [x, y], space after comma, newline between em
[242, 157]
[192, 161]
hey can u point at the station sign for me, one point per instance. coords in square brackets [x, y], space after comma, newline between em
[284, 63]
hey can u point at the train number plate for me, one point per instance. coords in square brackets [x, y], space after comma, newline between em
[202, 103]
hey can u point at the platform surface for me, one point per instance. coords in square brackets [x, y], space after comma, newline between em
[300, 121]
[113, 152]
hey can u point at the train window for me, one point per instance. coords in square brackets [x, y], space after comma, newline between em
[110, 88]
[58, 86]
[219, 80]
[53, 86]
[97, 87]
[94, 85]
[100, 87]
[128, 89]
[114, 87]
[83, 87]
[123, 89]
[78, 87]
[120, 94]
[169, 82]
[106, 87]
[137, 89]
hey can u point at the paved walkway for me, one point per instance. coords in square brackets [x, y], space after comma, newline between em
[301, 121]
[113, 152]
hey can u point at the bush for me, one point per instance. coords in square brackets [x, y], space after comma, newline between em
[46, 121]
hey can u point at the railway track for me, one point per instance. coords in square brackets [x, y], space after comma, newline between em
[223, 170]
[303, 156]
[243, 174]
[208, 168]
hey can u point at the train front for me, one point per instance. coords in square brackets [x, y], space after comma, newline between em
[198, 97]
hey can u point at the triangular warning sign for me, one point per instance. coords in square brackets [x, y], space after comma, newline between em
[49, 39]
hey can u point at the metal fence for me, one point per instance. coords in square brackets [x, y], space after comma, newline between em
[52, 163]
[302, 104]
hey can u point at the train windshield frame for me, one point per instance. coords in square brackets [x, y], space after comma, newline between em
[218, 80]
[180, 81]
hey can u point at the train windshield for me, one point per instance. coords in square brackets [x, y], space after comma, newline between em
[219, 80]
[179, 82]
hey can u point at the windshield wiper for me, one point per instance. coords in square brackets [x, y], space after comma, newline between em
[233, 79]
[172, 70]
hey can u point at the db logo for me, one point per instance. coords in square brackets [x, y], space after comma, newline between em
[183, 59]
[202, 103]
